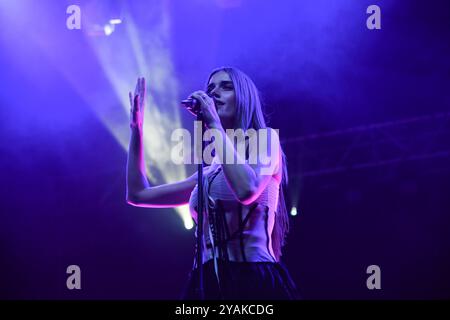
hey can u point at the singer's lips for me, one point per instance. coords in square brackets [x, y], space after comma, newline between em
[219, 103]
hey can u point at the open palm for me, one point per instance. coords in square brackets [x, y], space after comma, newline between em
[137, 103]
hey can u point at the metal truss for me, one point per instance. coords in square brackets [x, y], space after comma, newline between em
[381, 144]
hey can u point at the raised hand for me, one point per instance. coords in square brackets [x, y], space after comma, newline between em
[137, 103]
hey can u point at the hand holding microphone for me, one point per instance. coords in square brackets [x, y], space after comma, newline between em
[201, 103]
[192, 105]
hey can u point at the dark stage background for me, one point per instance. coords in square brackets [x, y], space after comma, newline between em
[363, 117]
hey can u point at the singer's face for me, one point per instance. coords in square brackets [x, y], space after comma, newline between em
[221, 89]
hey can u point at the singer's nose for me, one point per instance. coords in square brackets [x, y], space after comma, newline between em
[213, 94]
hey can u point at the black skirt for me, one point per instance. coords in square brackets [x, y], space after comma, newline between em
[242, 281]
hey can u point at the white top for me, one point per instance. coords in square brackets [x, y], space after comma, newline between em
[252, 242]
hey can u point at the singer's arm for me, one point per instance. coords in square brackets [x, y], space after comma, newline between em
[138, 190]
[247, 181]
[140, 193]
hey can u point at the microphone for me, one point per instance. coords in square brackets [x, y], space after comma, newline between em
[192, 105]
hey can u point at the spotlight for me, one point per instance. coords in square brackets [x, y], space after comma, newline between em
[115, 21]
[293, 211]
[188, 224]
[108, 29]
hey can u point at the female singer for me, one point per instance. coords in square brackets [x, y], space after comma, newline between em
[245, 217]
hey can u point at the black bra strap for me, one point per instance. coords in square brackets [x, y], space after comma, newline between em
[266, 228]
[241, 235]
[244, 222]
